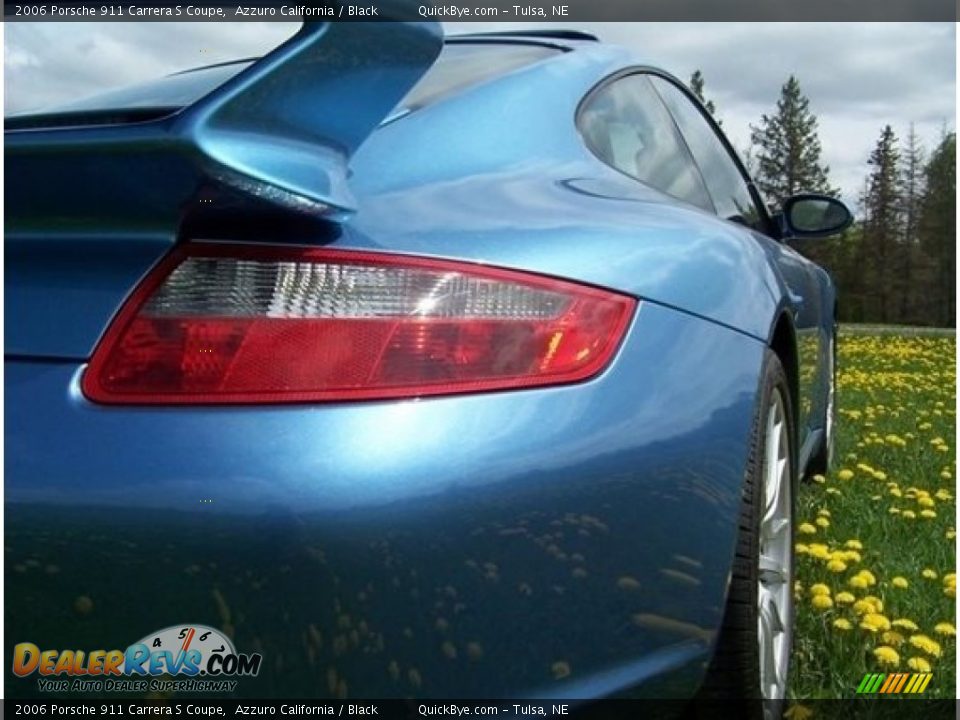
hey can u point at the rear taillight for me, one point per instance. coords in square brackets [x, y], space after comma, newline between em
[219, 323]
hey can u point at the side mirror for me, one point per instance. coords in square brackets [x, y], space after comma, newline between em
[813, 216]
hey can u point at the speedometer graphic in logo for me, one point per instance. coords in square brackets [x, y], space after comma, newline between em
[180, 649]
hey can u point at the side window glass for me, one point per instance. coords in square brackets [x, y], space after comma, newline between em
[727, 186]
[626, 125]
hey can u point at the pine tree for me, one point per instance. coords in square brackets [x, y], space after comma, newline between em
[938, 231]
[911, 193]
[696, 84]
[883, 225]
[788, 148]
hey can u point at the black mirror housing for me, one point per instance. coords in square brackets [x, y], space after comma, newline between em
[813, 215]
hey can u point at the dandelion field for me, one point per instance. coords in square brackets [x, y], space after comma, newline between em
[875, 545]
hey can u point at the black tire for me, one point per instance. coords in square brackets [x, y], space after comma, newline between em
[734, 671]
[821, 461]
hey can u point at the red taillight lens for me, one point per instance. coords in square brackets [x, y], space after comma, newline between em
[218, 323]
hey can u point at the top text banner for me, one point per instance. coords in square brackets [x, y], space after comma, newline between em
[490, 10]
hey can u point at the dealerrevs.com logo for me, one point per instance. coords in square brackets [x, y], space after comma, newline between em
[188, 658]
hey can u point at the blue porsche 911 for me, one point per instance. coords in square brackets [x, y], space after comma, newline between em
[417, 367]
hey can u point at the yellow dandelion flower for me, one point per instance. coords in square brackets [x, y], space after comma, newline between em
[853, 545]
[927, 645]
[893, 510]
[858, 581]
[821, 602]
[950, 592]
[851, 556]
[819, 551]
[928, 514]
[845, 474]
[950, 579]
[946, 475]
[900, 582]
[929, 573]
[892, 638]
[945, 628]
[887, 656]
[926, 502]
[909, 514]
[905, 624]
[833, 491]
[879, 475]
[801, 549]
[836, 566]
[819, 479]
[950, 534]
[807, 529]
[844, 598]
[822, 522]
[824, 512]
[874, 622]
[819, 589]
[798, 712]
[842, 624]
[919, 664]
[868, 576]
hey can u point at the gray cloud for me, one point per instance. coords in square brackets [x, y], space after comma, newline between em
[858, 76]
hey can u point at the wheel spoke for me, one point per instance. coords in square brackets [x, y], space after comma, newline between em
[769, 675]
[772, 571]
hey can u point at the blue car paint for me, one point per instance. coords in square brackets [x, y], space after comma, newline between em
[587, 527]
[362, 510]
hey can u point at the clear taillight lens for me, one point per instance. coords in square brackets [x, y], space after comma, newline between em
[219, 323]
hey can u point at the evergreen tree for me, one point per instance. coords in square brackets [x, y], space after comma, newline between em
[749, 160]
[696, 84]
[788, 148]
[911, 193]
[938, 231]
[883, 224]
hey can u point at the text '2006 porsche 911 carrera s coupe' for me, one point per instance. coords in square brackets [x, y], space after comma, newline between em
[420, 367]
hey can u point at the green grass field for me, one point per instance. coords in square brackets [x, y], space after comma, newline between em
[876, 557]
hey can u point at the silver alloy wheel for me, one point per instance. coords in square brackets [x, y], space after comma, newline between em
[775, 577]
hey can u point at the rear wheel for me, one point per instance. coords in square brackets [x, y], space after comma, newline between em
[752, 656]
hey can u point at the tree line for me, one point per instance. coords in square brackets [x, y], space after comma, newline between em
[897, 262]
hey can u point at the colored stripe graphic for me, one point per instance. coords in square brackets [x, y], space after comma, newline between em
[870, 683]
[894, 683]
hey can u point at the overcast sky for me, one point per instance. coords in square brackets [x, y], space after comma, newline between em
[858, 76]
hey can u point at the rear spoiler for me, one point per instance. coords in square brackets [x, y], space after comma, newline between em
[281, 130]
